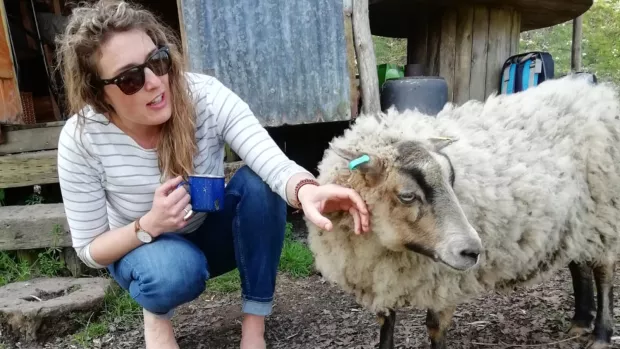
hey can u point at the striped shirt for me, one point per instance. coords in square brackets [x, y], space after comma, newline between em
[107, 180]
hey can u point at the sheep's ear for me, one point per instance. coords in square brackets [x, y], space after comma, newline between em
[439, 143]
[344, 153]
[370, 166]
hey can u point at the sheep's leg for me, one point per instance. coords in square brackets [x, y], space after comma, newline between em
[386, 336]
[583, 290]
[604, 323]
[437, 324]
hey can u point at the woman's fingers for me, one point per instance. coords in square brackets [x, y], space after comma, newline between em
[317, 218]
[356, 219]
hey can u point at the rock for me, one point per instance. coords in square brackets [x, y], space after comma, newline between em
[37, 309]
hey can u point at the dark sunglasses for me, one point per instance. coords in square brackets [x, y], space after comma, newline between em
[132, 80]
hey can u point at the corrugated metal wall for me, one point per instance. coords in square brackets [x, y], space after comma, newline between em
[286, 59]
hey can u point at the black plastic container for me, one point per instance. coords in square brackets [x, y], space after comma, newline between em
[428, 94]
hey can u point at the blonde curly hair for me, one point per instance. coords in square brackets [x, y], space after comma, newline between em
[88, 29]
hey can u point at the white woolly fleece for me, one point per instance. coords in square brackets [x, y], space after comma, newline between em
[537, 175]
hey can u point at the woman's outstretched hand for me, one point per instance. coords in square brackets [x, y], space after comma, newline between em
[316, 200]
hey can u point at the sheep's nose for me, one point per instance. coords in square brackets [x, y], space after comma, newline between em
[467, 253]
[471, 253]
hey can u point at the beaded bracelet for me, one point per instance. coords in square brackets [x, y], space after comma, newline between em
[301, 184]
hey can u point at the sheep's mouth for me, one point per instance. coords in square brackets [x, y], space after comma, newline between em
[425, 251]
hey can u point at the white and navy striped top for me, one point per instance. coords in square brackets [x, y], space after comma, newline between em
[107, 180]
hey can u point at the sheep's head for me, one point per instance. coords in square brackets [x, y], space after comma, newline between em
[413, 204]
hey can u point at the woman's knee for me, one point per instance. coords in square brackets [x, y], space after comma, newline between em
[164, 274]
[253, 188]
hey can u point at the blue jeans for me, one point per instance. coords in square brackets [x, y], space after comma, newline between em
[248, 234]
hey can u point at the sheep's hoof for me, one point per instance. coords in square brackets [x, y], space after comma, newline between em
[597, 344]
[576, 330]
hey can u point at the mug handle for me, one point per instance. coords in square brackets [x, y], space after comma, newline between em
[189, 214]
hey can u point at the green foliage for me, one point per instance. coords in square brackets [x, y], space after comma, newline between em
[296, 261]
[119, 311]
[24, 265]
[600, 52]
[390, 50]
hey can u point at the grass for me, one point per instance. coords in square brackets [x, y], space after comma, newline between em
[296, 260]
[24, 265]
[119, 311]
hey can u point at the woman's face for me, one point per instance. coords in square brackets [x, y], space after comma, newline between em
[151, 105]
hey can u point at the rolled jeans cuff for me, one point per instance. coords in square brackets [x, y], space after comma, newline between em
[166, 316]
[257, 308]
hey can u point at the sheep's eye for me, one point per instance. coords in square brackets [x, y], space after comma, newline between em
[407, 198]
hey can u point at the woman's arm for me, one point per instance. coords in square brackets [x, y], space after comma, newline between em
[85, 204]
[240, 129]
[84, 198]
[246, 136]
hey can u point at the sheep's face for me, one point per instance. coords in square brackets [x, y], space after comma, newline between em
[413, 205]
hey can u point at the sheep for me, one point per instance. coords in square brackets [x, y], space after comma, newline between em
[486, 196]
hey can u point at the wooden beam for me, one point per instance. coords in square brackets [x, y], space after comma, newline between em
[182, 33]
[20, 170]
[27, 138]
[575, 59]
[351, 67]
[366, 60]
[33, 226]
[26, 169]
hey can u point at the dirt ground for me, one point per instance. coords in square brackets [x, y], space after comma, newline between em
[309, 313]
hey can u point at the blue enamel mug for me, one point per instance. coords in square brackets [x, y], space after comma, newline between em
[206, 192]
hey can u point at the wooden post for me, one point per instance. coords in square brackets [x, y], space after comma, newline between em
[575, 59]
[366, 60]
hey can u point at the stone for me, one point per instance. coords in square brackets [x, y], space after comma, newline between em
[37, 309]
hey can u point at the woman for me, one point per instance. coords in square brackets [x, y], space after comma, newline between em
[141, 124]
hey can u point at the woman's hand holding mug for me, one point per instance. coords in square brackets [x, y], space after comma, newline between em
[171, 208]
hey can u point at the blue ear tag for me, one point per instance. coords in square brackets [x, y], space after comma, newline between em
[356, 162]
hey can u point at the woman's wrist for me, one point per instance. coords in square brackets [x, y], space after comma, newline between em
[148, 224]
[296, 187]
[302, 187]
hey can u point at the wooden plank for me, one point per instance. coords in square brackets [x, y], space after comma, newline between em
[183, 33]
[434, 41]
[351, 68]
[480, 45]
[10, 101]
[500, 30]
[33, 226]
[7, 70]
[515, 33]
[447, 51]
[20, 170]
[462, 66]
[35, 138]
[366, 60]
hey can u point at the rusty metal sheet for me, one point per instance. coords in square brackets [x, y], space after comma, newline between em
[286, 59]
